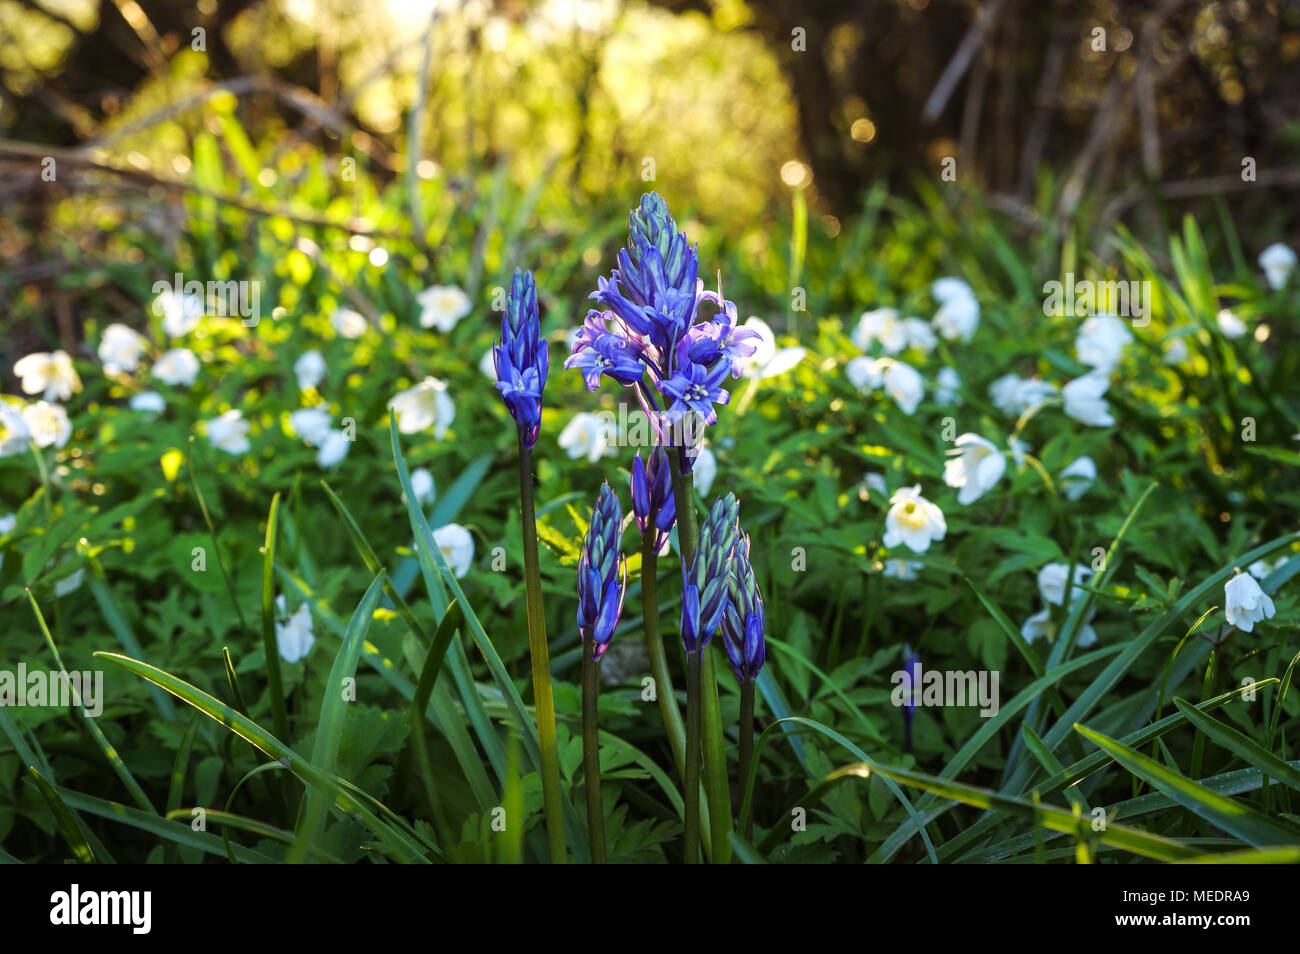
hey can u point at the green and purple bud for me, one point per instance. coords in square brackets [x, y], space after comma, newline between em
[602, 572]
[652, 495]
[742, 623]
[705, 579]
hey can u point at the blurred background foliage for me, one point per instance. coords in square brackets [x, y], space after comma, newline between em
[1049, 107]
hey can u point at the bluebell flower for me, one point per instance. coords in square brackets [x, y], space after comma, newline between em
[742, 623]
[604, 353]
[651, 302]
[521, 358]
[652, 495]
[911, 666]
[705, 579]
[723, 337]
[697, 388]
[602, 572]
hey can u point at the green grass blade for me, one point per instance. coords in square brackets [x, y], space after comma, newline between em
[63, 819]
[854, 710]
[371, 560]
[429, 552]
[253, 826]
[26, 753]
[346, 796]
[1013, 774]
[1071, 775]
[1281, 698]
[433, 660]
[232, 680]
[986, 732]
[1237, 782]
[768, 843]
[781, 711]
[442, 711]
[275, 685]
[746, 852]
[180, 764]
[1241, 745]
[112, 614]
[434, 570]
[1289, 855]
[216, 544]
[1009, 629]
[110, 753]
[329, 730]
[1049, 763]
[416, 716]
[1134, 840]
[1233, 817]
[1107, 680]
[178, 833]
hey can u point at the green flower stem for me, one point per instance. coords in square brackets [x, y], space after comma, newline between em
[654, 647]
[746, 743]
[667, 697]
[543, 700]
[716, 786]
[591, 750]
[691, 854]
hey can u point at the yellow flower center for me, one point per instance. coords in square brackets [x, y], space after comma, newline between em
[911, 516]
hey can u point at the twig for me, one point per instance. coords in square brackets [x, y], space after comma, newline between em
[961, 60]
[140, 178]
